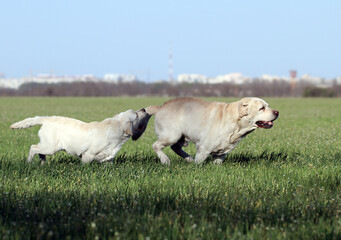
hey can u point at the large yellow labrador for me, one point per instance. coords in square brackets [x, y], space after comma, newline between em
[214, 127]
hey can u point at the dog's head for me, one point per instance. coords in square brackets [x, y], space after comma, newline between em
[256, 112]
[136, 122]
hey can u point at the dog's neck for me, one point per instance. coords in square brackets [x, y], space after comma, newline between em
[237, 136]
[243, 128]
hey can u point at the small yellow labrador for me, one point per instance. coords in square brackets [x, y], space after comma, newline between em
[214, 127]
[98, 141]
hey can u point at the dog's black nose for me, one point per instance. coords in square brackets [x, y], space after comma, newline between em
[276, 113]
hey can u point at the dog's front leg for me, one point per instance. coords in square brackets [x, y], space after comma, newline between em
[107, 159]
[111, 156]
[201, 155]
[219, 159]
[235, 137]
[87, 158]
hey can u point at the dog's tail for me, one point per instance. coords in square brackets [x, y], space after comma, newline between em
[151, 110]
[28, 122]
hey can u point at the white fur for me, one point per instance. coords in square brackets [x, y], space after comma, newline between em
[98, 141]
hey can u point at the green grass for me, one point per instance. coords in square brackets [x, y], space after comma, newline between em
[282, 183]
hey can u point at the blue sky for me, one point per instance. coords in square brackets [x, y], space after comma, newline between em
[72, 37]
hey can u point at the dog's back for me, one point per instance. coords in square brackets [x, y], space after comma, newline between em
[187, 115]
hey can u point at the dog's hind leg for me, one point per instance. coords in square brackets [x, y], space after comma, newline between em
[166, 137]
[42, 158]
[42, 151]
[34, 149]
[177, 148]
[158, 146]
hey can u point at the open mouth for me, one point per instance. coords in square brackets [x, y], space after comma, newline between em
[265, 124]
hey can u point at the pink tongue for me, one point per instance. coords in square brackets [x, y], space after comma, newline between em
[270, 123]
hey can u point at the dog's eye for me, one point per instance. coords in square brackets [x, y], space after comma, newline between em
[262, 109]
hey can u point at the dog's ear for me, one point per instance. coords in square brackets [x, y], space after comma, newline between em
[141, 127]
[128, 125]
[128, 128]
[243, 108]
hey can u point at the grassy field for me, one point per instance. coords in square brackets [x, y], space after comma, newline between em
[282, 183]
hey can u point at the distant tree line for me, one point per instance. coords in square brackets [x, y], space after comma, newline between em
[257, 87]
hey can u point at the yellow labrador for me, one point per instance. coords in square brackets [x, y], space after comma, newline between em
[98, 141]
[214, 127]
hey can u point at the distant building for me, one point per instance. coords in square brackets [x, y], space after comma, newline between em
[270, 78]
[338, 80]
[236, 78]
[312, 80]
[192, 78]
[119, 78]
[15, 83]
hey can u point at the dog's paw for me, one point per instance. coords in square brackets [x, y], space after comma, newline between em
[189, 159]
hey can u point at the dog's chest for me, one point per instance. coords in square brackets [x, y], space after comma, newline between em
[224, 147]
[110, 147]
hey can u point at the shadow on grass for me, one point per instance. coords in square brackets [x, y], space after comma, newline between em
[264, 156]
[58, 215]
[64, 158]
[152, 158]
[137, 157]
